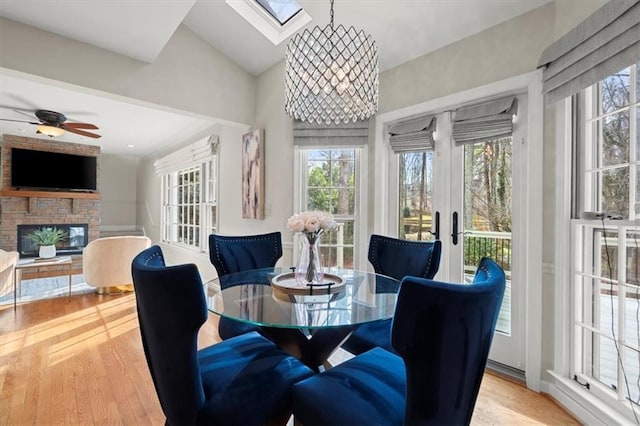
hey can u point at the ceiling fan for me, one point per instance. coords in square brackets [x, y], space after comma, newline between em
[53, 123]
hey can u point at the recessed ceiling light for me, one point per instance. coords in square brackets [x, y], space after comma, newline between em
[131, 146]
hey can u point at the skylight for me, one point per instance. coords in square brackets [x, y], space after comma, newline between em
[275, 19]
[281, 10]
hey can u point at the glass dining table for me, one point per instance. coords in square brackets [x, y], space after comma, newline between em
[310, 323]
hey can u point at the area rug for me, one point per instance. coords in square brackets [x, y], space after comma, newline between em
[46, 288]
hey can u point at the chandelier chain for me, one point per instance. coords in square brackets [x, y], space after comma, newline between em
[331, 16]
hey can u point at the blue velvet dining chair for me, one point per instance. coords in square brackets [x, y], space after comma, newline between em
[243, 380]
[442, 333]
[395, 258]
[230, 254]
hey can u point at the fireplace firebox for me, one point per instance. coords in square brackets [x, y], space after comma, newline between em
[77, 239]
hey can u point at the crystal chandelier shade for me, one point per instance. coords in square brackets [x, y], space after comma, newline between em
[331, 75]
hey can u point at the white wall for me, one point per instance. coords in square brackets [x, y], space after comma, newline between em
[188, 75]
[278, 127]
[118, 202]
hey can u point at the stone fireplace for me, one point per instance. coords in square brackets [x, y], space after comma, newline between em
[24, 209]
[77, 239]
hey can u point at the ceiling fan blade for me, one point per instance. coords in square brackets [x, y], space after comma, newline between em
[18, 121]
[23, 113]
[67, 126]
[82, 133]
[27, 110]
[22, 102]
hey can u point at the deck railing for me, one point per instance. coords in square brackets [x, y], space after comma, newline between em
[477, 244]
[495, 245]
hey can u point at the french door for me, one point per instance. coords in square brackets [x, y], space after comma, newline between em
[470, 197]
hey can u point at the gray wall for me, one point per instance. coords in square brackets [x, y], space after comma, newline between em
[505, 50]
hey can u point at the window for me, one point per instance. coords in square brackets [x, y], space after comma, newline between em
[610, 157]
[488, 209]
[281, 10]
[331, 184]
[415, 195]
[276, 20]
[189, 196]
[606, 241]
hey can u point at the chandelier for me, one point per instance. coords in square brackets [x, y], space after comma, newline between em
[331, 75]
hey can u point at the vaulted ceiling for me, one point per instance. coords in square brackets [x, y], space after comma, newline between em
[402, 29]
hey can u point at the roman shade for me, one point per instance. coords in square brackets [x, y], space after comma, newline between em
[308, 135]
[412, 135]
[485, 121]
[604, 43]
[189, 155]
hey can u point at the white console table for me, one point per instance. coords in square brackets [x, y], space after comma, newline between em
[39, 263]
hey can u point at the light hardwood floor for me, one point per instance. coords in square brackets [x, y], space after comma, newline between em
[79, 361]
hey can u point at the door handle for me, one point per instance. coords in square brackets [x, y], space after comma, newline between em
[436, 234]
[454, 235]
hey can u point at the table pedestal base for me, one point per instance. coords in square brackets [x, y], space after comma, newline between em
[314, 349]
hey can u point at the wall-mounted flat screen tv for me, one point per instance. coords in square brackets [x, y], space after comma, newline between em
[53, 171]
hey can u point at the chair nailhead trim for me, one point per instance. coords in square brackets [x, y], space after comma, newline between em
[150, 258]
[241, 240]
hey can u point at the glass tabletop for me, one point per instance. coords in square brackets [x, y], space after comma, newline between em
[248, 296]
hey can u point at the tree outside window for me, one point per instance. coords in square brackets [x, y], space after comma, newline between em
[331, 187]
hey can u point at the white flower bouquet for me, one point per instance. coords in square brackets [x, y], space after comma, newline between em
[311, 222]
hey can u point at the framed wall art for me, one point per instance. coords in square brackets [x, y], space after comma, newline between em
[253, 174]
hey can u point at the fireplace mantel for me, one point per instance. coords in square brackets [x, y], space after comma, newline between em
[48, 194]
[26, 207]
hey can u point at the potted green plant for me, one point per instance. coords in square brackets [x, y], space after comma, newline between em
[46, 238]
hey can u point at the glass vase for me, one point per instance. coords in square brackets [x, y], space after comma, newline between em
[309, 269]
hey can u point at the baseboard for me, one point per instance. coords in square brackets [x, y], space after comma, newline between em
[117, 230]
[506, 371]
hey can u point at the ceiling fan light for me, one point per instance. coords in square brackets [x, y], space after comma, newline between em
[50, 131]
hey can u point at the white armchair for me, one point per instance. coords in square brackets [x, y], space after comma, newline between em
[8, 260]
[106, 262]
